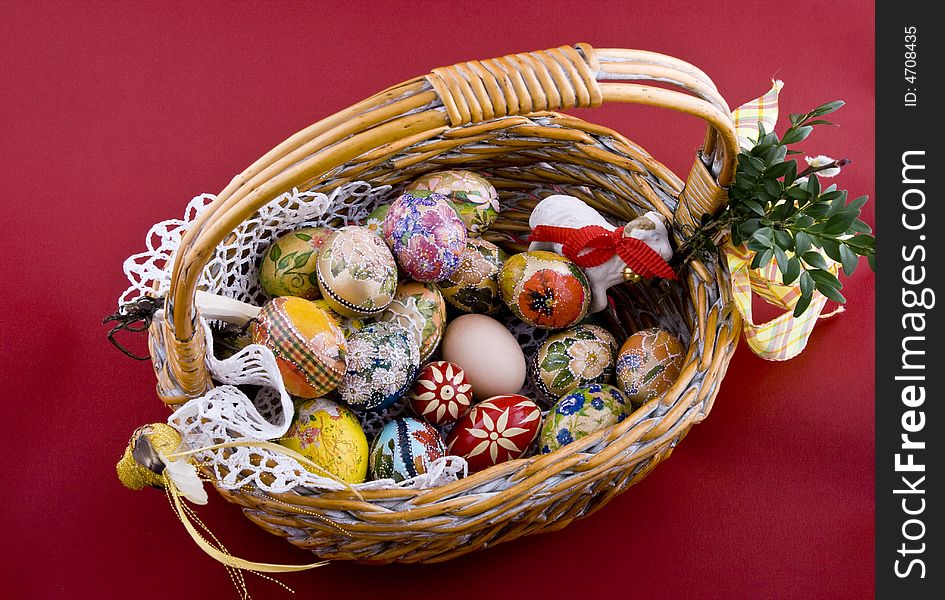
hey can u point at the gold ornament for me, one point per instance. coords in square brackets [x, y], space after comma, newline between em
[629, 275]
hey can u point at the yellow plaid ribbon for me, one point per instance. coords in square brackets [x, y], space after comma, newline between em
[785, 336]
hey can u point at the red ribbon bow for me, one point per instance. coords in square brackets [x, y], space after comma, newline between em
[601, 245]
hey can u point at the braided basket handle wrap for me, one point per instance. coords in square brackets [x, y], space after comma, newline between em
[559, 78]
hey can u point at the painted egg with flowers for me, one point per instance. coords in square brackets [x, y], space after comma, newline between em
[309, 347]
[405, 448]
[374, 222]
[356, 272]
[441, 394]
[568, 359]
[420, 309]
[581, 412]
[474, 286]
[330, 436]
[426, 235]
[474, 198]
[383, 359]
[496, 430]
[288, 265]
[649, 362]
[544, 289]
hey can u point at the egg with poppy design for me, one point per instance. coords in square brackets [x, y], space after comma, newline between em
[441, 394]
[405, 448]
[496, 430]
[426, 235]
[544, 289]
[581, 412]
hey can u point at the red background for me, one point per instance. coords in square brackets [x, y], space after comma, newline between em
[114, 116]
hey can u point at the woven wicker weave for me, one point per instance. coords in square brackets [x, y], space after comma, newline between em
[490, 116]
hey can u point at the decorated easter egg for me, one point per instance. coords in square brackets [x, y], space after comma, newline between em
[420, 309]
[357, 274]
[426, 235]
[474, 198]
[288, 265]
[648, 363]
[309, 346]
[491, 357]
[375, 220]
[474, 286]
[498, 429]
[405, 448]
[441, 394]
[544, 289]
[348, 324]
[383, 359]
[581, 412]
[329, 435]
[577, 356]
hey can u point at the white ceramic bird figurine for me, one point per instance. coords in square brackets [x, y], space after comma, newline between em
[608, 255]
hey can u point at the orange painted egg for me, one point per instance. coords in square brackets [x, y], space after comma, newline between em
[309, 346]
[649, 362]
[544, 289]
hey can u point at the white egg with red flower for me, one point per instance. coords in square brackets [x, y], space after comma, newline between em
[496, 430]
[441, 394]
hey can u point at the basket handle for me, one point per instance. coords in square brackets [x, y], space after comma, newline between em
[559, 78]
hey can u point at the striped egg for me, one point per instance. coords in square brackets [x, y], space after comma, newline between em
[405, 448]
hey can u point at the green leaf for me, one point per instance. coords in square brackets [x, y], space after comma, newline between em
[861, 242]
[798, 193]
[820, 122]
[765, 235]
[813, 185]
[762, 259]
[814, 259]
[803, 221]
[796, 118]
[782, 259]
[798, 134]
[832, 293]
[564, 378]
[304, 237]
[860, 227]
[806, 283]
[791, 173]
[275, 252]
[313, 278]
[858, 202]
[783, 239]
[802, 303]
[285, 261]
[826, 108]
[824, 278]
[840, 222]
[801, 242]
[848, 259]
[831, 247]
[301, 259]
[773, 187]
[872, 261]
[793, 270]
[755, 207]
[553, 362]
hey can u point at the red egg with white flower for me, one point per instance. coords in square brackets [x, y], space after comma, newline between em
[441, 394]
[496, 430]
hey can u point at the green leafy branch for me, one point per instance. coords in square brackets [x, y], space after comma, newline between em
[786, 216]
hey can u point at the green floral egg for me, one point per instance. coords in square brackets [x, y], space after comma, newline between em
[474, 286]
[475, 199]
[578, 356]
[288, 265]
[581, 412]
[375, 220]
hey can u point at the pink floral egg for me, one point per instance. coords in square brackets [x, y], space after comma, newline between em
[441, 393]
[426, 235]
[496, 430]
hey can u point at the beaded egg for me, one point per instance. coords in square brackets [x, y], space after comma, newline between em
[544, 289]
[581, 412]
[375, 220]
[404, 448]
[441, 394]
[288, 265]
[496, 430]
[577, 356]
[329, 435]
[648, 363]
[426, 235]
[420, 309]
[357, 274]
[309, 346]
[383, 359]
[474, 286]
[474, 198]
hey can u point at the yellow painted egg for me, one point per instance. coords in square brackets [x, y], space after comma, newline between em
[329, 435]
[288, 265]
[649, 362]
[349, 325]
[474, 286]
[474, 198]
[309, 346]
[420, 309]
[488, 353]
[544, 289]
[357, 274]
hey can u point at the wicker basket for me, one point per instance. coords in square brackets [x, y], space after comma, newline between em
[489, 116]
